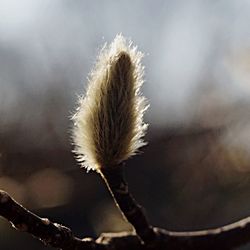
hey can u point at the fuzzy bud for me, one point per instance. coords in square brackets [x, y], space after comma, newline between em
[108, 125]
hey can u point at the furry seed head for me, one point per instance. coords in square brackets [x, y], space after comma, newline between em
[108, 125]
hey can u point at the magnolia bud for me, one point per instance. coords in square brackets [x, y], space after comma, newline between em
[108, 125]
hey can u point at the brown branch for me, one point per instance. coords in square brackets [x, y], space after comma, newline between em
[223, 238]
[61, 237]
[131, 210]
[51, 234]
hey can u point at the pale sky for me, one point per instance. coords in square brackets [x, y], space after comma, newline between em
[187, 44]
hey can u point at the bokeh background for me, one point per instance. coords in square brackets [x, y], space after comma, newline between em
[195, 171]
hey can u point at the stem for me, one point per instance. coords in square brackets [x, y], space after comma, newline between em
[130, 209]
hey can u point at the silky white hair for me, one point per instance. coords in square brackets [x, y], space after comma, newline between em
[108, 124]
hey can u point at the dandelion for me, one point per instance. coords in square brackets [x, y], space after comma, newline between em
[108, 125]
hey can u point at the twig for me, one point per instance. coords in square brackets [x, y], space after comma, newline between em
[60, 237]
[131, 210]
[51, 234]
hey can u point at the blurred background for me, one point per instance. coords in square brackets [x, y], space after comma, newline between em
[195, 171]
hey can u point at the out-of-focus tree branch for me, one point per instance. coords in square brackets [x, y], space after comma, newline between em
[61, 237]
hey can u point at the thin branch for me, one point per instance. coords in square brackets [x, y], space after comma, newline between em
[223, 238]
[131, 210]
[51, 234]
[61, 237]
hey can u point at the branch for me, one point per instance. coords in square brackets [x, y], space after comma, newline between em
[130, 209]
[51, 234]
[61, 237]
[227, 237]
[223, 238]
